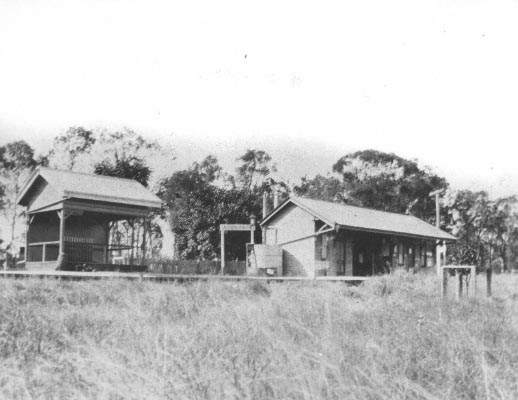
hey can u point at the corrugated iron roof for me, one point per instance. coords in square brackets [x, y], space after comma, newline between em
[366, 219]
[94, 187]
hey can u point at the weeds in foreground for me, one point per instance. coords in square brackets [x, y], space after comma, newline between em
[389, 338]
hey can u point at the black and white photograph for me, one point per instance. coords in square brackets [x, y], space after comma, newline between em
[263, 200]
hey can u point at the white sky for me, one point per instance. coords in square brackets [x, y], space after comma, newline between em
[435, 80]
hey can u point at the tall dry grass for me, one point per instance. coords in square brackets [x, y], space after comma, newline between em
[391, 338]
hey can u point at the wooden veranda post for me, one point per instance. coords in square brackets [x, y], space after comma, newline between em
[61, 215]
[27, 224]
[106, 241]
[61, 257]
[144, 242]
[131, 223]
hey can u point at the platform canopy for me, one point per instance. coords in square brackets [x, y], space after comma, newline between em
[74, 219]
[47, 189]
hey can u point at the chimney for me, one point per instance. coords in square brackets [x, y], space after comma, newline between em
[275, 198]
[265, 204]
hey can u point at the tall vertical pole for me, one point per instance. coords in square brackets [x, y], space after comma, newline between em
[222, 252]
[438, 226]
[265, 204]
[437, 211]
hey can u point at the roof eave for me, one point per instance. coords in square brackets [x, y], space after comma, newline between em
[359, 229]
[298, 204]
[113, 199]
[27, 185]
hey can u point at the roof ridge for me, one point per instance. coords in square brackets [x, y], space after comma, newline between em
[89, 174]
[336, 214]
[360, 207]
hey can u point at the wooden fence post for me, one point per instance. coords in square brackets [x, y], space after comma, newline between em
[222, 252]
[444, 287]
[489, 273]
[473, 272]
[459, 291]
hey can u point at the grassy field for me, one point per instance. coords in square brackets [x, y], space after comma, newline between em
[391, 338]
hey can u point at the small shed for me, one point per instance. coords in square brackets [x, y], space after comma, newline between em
[72, 220]
[325, 238]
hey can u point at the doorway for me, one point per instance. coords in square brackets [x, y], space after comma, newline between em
[362, 259]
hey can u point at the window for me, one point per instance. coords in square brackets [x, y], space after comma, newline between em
[42, 252]
[51, 252]
[35, 253]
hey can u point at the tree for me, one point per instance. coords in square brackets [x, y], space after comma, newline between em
[255, 166]
[123, 150]
[128, 168]
[487, 229]
[504, 226]
[198, 202]
[16, 163]
[321, 187]
[388, 182]
[75, 143]
[122, 153]
[468, 214]
[192, 202]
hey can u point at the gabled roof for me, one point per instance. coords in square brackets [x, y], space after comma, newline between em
[364, 219]
[70, 184]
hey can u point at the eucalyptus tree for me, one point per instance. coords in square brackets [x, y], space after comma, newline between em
[16, 163]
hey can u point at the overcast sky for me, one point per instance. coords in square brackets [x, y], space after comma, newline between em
[435, 80]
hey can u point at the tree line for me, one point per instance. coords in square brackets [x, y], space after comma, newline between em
[199, 198]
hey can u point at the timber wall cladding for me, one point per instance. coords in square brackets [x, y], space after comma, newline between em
[293, 223]
[41, 266]
[43, 195]
[298, 257]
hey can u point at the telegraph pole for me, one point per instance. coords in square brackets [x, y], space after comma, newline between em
[436, 193]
